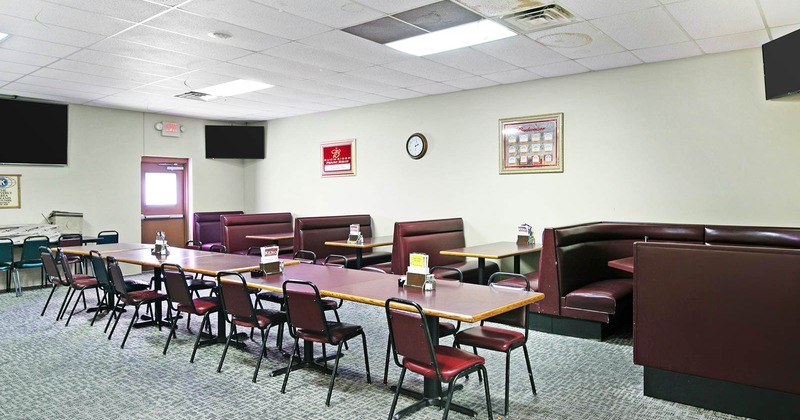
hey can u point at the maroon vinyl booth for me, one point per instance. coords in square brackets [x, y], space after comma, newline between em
[206, 228]
[431, 237]
[311, 233]
[236, 227]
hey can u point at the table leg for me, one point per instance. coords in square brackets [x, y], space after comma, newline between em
[308, 361]
[359, 256]
[157, 318]
[516, 263]
[481, 269]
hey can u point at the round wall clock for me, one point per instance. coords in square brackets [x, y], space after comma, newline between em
[416, 146]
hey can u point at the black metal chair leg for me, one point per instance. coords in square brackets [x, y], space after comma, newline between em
[48, 298]
[227, 344]
[133, 320]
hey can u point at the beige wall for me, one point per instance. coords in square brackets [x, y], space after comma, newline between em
[685, 141]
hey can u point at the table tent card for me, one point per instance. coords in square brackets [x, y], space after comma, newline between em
[355, 236]
[269, 260]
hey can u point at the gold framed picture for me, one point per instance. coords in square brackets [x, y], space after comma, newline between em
[532, 144]
[9, 191]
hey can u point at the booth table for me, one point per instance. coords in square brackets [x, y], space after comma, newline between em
[368, 243]
[624, 264]
[496, 250]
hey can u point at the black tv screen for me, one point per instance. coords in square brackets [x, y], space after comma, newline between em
[781, 67]
[234, 142]
[43, 128]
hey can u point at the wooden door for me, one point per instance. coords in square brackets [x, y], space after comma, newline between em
[164, 199]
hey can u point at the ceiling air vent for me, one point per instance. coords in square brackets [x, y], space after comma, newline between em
[538, 18]
[197, 96]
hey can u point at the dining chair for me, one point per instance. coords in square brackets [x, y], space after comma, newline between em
[305, 256]
[305, 316]
[53, 275]
[193, 244]
[181, 297]
[108, 237]
[501, 339]
[239, 311]
[412, 340]
[30, 257]
[124, 298]
[7, 259]
[72, 239]
[100, 270]
[446, 328]
[77, 283]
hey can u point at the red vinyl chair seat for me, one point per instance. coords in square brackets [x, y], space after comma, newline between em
[491, 338]
[202, 305]
[264, 318]
[451, 361]
[338, 331]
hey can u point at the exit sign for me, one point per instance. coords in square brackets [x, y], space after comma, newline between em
[171, 129]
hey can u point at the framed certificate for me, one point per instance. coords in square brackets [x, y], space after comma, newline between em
[338, 158]
[9, 191]
[543, 137]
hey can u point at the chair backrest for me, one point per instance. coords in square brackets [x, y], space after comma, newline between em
[304, 307]
[108, 237]
[117, 278]
[6, 251]
[335, 260]
[193, 244]
[236, 296]
[70, 239]
[30, 248]
[175, 282]
[408, 330]
[50, 266]
[460, 274]
[305, 256]
[515, 317]
[100, 270]
[61, 258]
[218, 248]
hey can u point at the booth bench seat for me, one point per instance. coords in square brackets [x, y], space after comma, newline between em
[431, 237]
[235, 228]
[311, 233]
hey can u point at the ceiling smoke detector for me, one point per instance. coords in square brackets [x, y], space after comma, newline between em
[196, 96]
[538, 18]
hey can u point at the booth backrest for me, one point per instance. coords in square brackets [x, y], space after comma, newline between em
[206, 227]
[236, 227]
[311, 233]
[428, 236]
[779, 237]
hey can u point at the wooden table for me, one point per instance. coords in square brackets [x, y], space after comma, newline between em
[452, 300]
[369, 243]
[102, 248]
[272, 237]
[496, 250]
[624, 264]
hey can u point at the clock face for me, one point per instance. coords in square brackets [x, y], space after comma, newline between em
[416, 146]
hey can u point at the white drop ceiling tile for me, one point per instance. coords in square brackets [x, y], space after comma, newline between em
[249, 73]
[560, 40]
[334, 13]
[394, 6]
[193, 81]
[264, 97]
[152, 54]
[474, 82]
[48, 92]
[88, 79]
[324, 88]
[564, 68]
[17, 68]
[161, 90]
[199, 27]
[56, 34]
[25, 58]
[21, 43]
[781, 12]
[642, 29]
[126, 63]
[281, 66]
[169, 41]
[427, 69]
[668, 52]
[520, 51]
[317, 107]
[343, 43]
[610, 61]
[512, 76]
[104, 71]
[471, 61]
[340, 102]
[357, 83]
[314, 56]
[372, 99]
[783, 30]
[134, 11]
[44, 79]
[402, 94]
[49, 15]
[710, 18]
[435, 88]
[257, 17]
[499, 7]
[593, 9]
[733, 42]
[8, 77]
[388, 76]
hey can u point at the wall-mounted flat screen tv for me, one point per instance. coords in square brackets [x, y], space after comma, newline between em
[235, 142]
[41, 129]
[781, 66]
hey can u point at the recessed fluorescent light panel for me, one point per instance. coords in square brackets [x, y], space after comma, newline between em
[461, 36]
[236, 87]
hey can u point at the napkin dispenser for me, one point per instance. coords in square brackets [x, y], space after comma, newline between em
[525, 235]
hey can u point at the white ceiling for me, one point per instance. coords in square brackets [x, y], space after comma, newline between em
[139, 54]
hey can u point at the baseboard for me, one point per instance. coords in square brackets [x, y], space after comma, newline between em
[727, 397]
[571, 327]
